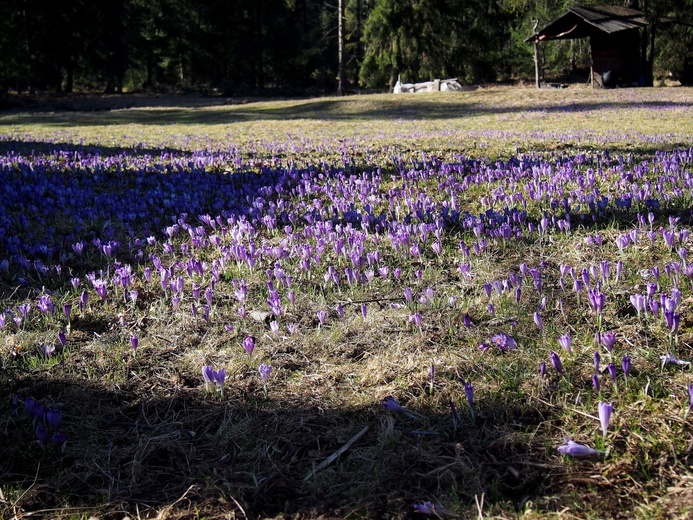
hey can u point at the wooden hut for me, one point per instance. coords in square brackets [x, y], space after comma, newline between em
[615, 41]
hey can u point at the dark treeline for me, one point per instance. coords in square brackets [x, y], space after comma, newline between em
[251, 46]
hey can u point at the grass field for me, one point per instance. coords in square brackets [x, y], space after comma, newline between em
[456, 305]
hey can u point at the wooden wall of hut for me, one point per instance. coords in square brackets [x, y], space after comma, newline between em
[616, 59]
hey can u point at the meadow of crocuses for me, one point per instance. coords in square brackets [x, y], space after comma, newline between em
[473, 304]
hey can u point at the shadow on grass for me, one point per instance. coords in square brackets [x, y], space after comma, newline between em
[147, 443]
[48, 148]
[359, 108]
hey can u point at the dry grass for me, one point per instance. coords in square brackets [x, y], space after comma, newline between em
[146, 440]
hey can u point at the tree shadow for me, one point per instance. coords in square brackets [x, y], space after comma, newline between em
[114, 204]
[131, 450]
[358, 108]
[56, 149]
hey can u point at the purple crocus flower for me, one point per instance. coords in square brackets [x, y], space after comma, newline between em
[54, 417]
[83, 300]
[564, 341]
[609, 338]
[33, 407]
[24, 309]
[504, 342]
[322, 316]
[690, 398]
[67, 310]
[428, 508]
[605, 411]
[597, 359]
[249, 345]
[671, 359]
[41, 433]
[469, 393]
[585, 277]
[220, 377]
[134, 342]
[556, 362]
[59, 438]
[625, 364]
[639, 302]
[48, 350]
[537, 321]
[101, 289]
[455, 415]
[672, 320]
[415, 319]
[597, 300]
[265, 371]
[390, 404]
[574, 449]
[655, 307]
[45, 305]
[595, 382]
[208, 375]
[467, 320]
[612, 370]
[542, 369]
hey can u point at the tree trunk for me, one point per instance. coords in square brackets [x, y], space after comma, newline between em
[649, 79]
[341, 87]
[536, 56]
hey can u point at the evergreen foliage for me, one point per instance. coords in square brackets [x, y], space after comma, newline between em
[244, 46]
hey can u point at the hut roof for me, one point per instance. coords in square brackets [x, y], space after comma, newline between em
[580, 22]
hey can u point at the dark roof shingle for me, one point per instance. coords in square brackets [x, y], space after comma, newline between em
[580, 22]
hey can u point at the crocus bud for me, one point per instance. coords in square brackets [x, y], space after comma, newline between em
[54, 418]
[605, 410]
[41, 433]
[537, 321]
[565, 342]
[556, 362]
[249, 345]
[265, 371]
[595, 382]
[612, 370]
[625, 364]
